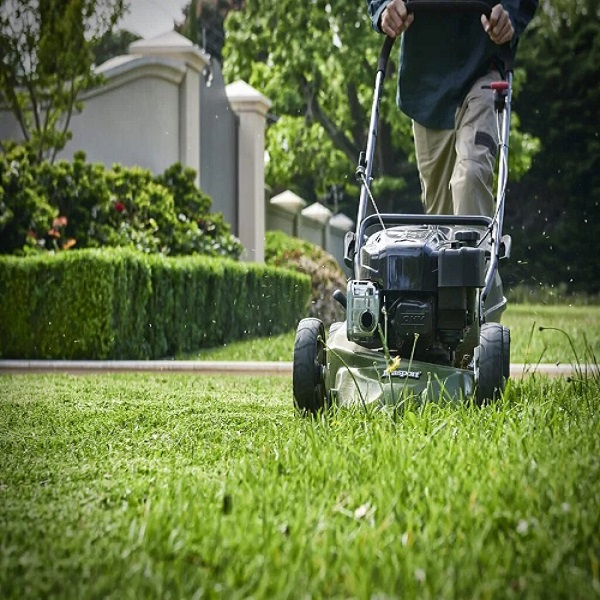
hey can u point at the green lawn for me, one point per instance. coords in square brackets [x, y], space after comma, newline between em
[529, 345]
[138, 486]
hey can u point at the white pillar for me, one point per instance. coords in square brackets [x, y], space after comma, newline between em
[251, 107]
[189, 122]
[175, 47]
[291, 203]
[320, 214]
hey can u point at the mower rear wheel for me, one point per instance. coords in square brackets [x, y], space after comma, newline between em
[491, 364]
[309, 366]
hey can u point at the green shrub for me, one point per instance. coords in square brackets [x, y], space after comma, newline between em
[197, 231]
[282, 250]
[25, 213]
[181, 182]
[140, 214]
[122, 304]
[57, 206]
[76, 189]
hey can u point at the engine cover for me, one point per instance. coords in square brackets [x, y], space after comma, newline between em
[421, 259]
[416, 282]
[402, 258]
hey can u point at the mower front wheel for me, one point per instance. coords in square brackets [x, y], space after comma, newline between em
[491, 370]
[309, 366]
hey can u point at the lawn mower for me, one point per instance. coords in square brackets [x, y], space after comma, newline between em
[425, 298]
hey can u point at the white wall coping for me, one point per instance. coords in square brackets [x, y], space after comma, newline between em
[341, 221]
[115, 62]
[173, 45]
[244, 98]
[121, 70]
[317, 212]
[288, 201]
[129, 62]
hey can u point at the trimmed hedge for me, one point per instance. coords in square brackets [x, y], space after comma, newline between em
[121, 304]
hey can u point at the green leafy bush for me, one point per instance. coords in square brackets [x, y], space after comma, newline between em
[282, 250]
[25, 213]
[122, 304]
[57, 206]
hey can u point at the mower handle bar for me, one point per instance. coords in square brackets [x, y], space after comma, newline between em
[365, 166]
[433, 6]
[478, 6]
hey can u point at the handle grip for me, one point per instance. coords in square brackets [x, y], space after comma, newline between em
[474, 6]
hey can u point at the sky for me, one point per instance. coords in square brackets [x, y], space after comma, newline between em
[149, 18]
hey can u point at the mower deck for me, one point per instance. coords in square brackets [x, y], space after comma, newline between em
[356, 375]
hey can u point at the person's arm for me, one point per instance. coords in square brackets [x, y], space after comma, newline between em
[389, 16]
[376, 7]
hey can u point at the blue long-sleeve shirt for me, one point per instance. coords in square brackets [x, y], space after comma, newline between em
[442, 55]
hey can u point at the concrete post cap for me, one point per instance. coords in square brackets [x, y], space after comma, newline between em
[317, 212]
[289, 201]
[244, 98]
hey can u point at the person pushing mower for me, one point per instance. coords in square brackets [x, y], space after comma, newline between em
[447, 61]
[424, 301]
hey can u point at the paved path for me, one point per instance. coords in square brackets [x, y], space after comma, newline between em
[517, 371]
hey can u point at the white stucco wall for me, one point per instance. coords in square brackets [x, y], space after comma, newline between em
[136, 123]
[279, 219]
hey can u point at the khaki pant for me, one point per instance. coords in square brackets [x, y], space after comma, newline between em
[456, 166]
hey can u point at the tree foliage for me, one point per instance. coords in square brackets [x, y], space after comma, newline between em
[46, 62]
[317, 62]
[555, 210]
[204, 23]
[113, 43]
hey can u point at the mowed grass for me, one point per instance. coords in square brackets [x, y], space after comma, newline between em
[578, 340]
[274, 348]
[138, 486]
[528, 344]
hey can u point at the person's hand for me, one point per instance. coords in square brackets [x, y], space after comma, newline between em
[498, 26]
[395, 18]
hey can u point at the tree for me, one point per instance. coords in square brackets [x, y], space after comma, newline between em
[555, 209]
[204, 23]
[46, 62]
[317, 62]
[113, 43]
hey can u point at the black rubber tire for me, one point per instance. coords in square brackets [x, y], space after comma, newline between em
[506, 352]
[310, 360]
[491, 369]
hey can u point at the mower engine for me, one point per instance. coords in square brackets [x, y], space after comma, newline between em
[417, 280]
